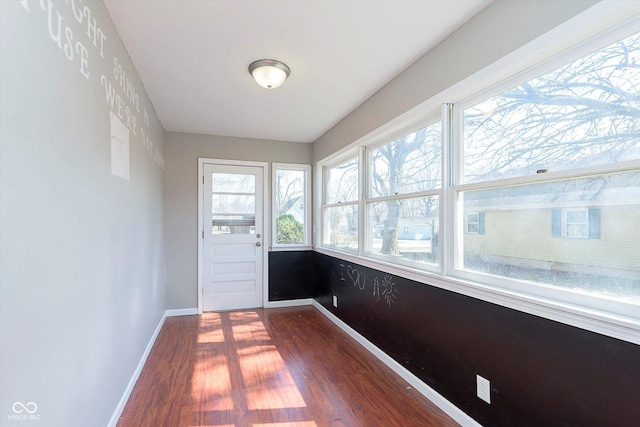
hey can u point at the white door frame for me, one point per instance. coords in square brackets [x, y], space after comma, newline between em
[266, 219]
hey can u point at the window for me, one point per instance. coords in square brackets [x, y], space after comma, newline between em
[582, 114]
[576, 223]
[233, 203]
[535, 154]
[532, 188]
[340, 210]
[291, 213]
[475, 223]
[403, 193]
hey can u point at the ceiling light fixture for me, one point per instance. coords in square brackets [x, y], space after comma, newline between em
[269, 73]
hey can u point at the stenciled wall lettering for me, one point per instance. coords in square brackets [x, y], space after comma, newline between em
[63, 36]
[120, 93]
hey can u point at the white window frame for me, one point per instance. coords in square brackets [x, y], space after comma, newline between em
[308, 236]
[324, 167]
[553, 294]
[574, 39]
[468, 223]
[566, 223]
[367, 199]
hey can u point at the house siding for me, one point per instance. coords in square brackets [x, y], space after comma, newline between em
[526, 234]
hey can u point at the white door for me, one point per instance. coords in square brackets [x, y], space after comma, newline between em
[232, 255]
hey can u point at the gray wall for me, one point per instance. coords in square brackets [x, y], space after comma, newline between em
[81, 250]
[181, 198]
[498, 30]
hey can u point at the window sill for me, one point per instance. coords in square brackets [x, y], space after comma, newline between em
[620, 327]
[290, 248]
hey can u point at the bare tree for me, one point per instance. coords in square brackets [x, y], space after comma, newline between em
[288, 191]
[587, 111]
[583, 113]
[403, 166]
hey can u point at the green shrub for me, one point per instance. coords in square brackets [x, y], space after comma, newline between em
[288, 230]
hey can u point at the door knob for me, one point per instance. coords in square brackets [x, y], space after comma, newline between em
[258, 235]
[258, 244]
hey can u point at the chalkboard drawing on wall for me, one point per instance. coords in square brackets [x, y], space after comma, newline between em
[389, 292]
[384, 289]
[357, 278]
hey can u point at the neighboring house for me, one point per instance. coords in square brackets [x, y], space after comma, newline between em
[412, 229]
[592, 223]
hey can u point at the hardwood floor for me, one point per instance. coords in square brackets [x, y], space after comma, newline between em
[269, 368]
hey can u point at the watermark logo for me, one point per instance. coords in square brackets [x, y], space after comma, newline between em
[20, 407]
[24, 412]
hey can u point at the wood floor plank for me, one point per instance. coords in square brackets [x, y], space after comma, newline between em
[269, 368]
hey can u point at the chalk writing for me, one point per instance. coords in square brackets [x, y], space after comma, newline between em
[356, 277]
[385, 289]
[389, 293]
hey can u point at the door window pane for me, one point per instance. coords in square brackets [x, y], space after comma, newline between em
[233, 203]
[233, 183]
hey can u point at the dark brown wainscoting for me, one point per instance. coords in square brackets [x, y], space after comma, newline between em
[269, 368]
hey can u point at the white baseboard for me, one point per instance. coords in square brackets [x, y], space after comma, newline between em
[449, 408]
[289, 303]
[132, 382]
[181, 312]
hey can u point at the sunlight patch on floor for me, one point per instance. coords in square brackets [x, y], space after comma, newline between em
[268, 383]
[253, 331]
[211, 383]
[211, 328]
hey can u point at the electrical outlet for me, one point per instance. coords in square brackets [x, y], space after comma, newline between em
[483, 388]
[335, 301]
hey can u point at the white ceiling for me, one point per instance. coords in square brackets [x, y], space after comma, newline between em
[193, 58]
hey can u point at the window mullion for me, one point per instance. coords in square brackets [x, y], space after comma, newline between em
[339, 204]
[403, 196]
[447, 205]
[362, 194]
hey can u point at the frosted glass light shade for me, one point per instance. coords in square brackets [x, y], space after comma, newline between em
[269, 73]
